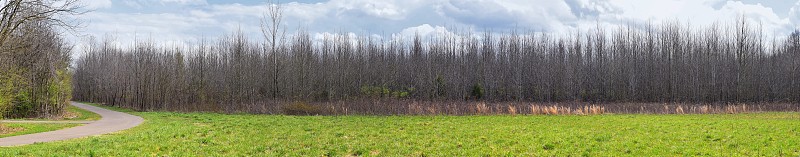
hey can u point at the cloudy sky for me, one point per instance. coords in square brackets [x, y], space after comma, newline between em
[185, 21]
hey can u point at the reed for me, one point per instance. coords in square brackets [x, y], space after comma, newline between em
[512, 110]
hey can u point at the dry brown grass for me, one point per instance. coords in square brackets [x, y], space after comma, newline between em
[512, 110]
[302, 108]
[666, 109]
[7, 130]
[416, 107]
[431, 110]
[705, 109]
[536, 109]
[598, 110]
[553, 110]
[564, 110]
[733, 109]
[68, 115]
[590, 110]
[482, 108]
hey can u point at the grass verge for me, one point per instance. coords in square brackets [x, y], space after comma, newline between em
[71, 113]
[30, 128]
[80, 114]
[209, 134]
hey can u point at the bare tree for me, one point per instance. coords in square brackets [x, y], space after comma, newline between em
[15, 13]
[271, 29]
[669, 63]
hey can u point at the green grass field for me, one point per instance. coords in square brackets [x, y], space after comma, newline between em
[207, 134]
[81, 114]
[29, 128]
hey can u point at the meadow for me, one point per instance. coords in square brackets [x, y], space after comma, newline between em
[212, 134]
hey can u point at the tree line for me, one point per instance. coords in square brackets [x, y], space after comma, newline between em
[34, 57]
[669, 62]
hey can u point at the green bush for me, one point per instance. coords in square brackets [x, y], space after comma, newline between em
[59, 92]
[383, 92]
[441, 88]
[5, 103]
[375, 91]
[400, 94]
[22, 105]
[403, 93]
[477, 91]
[9, 84]
[5, 97]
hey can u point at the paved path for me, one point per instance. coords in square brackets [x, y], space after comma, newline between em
[111, 121]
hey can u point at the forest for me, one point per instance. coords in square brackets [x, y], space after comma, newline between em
[619, 69]
[34, 57]
[635, 68]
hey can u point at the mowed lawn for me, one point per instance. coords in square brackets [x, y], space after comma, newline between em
[73, 113]
[205, 134]
[30, 128]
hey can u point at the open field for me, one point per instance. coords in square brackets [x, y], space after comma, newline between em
[207, 134]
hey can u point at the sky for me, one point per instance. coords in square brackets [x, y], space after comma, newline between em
[184, 22]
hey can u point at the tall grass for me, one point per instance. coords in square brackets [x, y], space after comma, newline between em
[414, 107]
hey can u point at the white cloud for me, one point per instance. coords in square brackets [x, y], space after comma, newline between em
[201, 14]
[380, 9]
[592, 8]
[539, 15]
[758, 14]
[699, 13]
[425, 31]
[98, 4]
[238, 9]
[403, 18]
[140, 4]
[132, 4]
[184, 2]
[162, 28]
[694, 11]
[794, 15]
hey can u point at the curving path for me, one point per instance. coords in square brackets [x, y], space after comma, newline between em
[111, 121]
